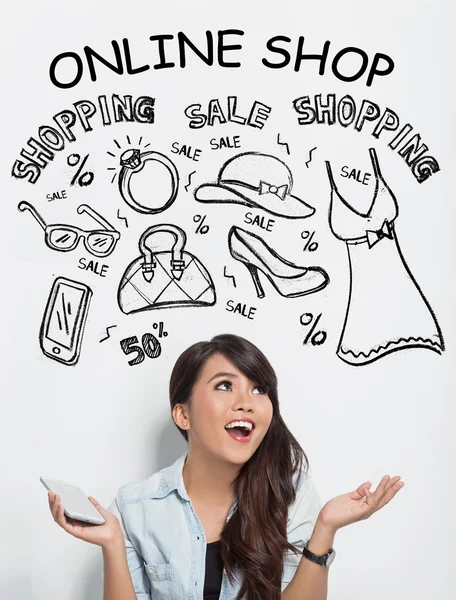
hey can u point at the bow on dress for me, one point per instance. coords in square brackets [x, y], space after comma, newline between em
[384, 232]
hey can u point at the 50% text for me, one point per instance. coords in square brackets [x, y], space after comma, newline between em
[150, 345]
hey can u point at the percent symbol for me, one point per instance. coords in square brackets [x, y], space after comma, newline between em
[316, 337]
[309, 245]
[201, 228]
[86, 178]
[160, 327]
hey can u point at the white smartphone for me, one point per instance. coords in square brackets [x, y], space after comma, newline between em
[75, 503]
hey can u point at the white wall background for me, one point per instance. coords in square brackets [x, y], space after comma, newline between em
[102, 423]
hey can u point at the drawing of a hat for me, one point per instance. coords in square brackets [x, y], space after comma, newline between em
[256, 180]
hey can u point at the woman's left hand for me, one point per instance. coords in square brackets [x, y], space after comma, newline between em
[359, 504]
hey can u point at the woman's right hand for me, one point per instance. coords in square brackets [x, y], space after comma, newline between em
[101, 535]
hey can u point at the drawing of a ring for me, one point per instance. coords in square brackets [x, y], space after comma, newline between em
[133, 162]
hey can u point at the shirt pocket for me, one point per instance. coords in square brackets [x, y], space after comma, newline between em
[161, 577]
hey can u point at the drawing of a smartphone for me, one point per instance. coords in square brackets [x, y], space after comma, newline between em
[64, 319]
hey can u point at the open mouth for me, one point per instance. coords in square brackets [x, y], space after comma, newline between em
[239, 433]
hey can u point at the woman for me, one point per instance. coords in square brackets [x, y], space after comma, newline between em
[237, 515]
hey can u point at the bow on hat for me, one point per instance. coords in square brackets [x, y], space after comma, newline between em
[279, 191]
[384, 232]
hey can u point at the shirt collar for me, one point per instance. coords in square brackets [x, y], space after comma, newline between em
[171, 479]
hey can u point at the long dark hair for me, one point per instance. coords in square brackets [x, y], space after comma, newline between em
[254, 539]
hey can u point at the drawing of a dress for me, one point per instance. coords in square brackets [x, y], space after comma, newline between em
[386, 311]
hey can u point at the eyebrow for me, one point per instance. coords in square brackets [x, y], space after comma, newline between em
[222, 375]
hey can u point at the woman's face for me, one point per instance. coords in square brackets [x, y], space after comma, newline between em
[222, 394]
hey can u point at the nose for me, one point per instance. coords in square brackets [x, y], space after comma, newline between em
[243, 399]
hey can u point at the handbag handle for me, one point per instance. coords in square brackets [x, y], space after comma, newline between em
[177, 262]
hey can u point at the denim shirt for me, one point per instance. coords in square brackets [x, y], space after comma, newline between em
[166, 543]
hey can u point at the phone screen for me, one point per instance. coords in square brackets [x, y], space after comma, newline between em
[61, 326]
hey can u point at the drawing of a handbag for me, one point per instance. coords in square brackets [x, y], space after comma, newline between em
[165, 278]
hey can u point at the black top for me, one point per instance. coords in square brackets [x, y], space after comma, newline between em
[214, 570]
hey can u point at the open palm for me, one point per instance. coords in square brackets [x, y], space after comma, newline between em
[359, 504]
[101, 535]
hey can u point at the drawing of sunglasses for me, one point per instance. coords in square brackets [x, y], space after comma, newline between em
[63, 238]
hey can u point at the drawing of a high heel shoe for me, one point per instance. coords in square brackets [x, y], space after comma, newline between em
[289, 279]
